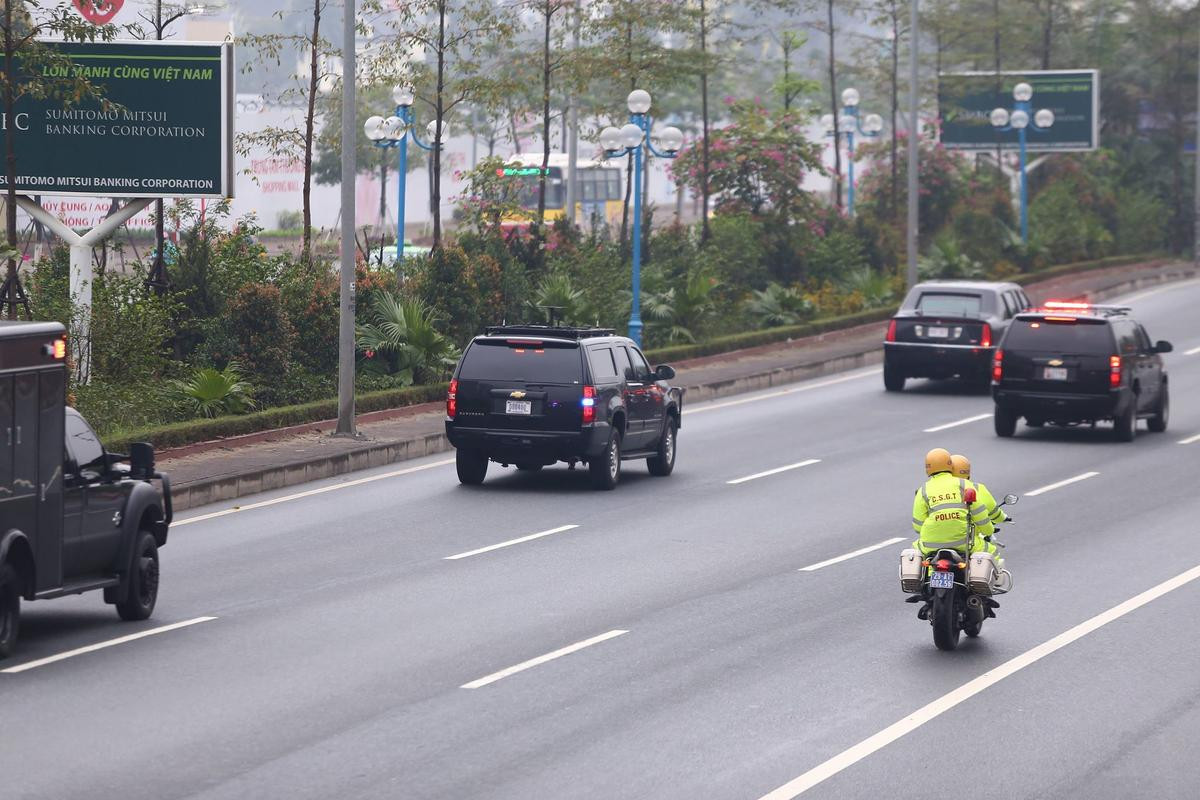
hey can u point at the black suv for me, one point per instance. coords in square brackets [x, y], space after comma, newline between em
[73, 517]
[533, 395]
[1070, 363]
[946, 329]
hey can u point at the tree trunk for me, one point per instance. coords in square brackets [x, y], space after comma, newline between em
[12, 278]
[1047, 34]
[435, 194]
[705, 232]
[629, 160]
[547, 16]
[837, 141]
[310, 113]
[996, 69]
[383, 189]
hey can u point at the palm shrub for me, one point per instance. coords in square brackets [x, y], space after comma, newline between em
[779, 305]
[679, 313]
[556, 294]
[211, 393]
[946, 259]
[400, 338]
[876, 288]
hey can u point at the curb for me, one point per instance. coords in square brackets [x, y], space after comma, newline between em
[369, 456]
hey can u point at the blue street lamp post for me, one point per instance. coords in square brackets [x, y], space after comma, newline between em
[627, 140]
[394, 132]
[848, 123]
[1018, 119]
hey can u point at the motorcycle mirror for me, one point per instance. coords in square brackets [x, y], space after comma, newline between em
[1010, 499]
[969, 496]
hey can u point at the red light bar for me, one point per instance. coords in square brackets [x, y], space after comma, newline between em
[1063, 304]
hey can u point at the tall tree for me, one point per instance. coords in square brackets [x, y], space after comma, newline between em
[34, 69]
[285, 141]
[551, 64]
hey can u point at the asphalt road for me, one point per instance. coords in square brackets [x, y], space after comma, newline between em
[350, 656]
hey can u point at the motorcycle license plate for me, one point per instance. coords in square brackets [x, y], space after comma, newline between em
[1054, 373]
[939, 333]
[941, 580]
[518, 407]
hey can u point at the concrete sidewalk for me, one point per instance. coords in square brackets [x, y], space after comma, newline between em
[235, 468]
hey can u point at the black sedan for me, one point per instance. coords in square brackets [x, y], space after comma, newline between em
[948, 329]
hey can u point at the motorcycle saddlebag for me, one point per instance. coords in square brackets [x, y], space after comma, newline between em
[981, 573]
[910, 571]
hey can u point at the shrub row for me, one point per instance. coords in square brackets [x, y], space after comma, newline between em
[182, 433]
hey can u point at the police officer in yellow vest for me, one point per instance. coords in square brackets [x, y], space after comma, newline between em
[996, 515]
[940, 512]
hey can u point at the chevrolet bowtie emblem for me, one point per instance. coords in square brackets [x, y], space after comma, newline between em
[517, 395]
[1055, 362]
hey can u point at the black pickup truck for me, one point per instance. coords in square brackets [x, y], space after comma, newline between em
[73, 517]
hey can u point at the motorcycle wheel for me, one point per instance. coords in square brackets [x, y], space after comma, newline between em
[945, 625]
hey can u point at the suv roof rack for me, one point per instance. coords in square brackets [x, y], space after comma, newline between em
[556, 331]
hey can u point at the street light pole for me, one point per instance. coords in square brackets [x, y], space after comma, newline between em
[630, 139]
[850, 122]
[1018, 120]
[345, 421]
[914, 133]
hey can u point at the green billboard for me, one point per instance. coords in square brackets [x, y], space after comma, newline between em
[168, 133]
[966, 100]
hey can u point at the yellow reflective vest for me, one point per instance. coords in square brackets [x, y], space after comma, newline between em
[940, 514]
[995, 512]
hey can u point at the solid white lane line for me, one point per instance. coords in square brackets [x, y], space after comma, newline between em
[1133, 298]
[1061, 484]
[91, 648]
[966, 421]
[797, 786]
[1192, 352]
[805, 388]
[510, 542]
[533, 662]
[1190, 439]
[335, 487]
[775, 471]
[848, 556]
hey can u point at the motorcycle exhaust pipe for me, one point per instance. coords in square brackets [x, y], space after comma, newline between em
[975, 606]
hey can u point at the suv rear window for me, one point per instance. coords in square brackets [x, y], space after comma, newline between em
[532, 363]
[1082, 338]
[943, 303]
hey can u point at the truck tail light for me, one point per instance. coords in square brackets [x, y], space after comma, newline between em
[452, 400]
[985, 339]
[589, 404]
[891, 332]
[1114, 371]
[998, 366]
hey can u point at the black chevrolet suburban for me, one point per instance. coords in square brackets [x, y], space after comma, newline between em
[1070, 363]
[534, 395]
[73, 517]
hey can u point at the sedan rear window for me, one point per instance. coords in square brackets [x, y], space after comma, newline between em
[1074, 337]
[934, 304]
[531, 362]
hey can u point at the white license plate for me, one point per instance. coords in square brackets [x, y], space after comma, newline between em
[518, 407]
[941, 580]
[1054, 373]
[939, 333]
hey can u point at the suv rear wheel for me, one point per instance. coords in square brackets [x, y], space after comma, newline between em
[1125, 426]
[472, 466]
[10, 609]
[1005, 422]
[1158, 423]
[605, 470]
[663, 463]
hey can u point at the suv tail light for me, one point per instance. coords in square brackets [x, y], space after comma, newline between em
[452, 400]
[985, 340]
[1114, 371]
[589, 404]
[998, 366]
[891, 332]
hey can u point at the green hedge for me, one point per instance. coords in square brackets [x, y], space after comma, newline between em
[182, 433]
[202, 430]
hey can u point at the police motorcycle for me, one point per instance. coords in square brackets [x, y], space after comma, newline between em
[957, 591]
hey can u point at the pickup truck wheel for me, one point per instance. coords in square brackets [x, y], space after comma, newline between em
[605, 469]
[10, 610]
[472, 467]
[662, 464]
[141, 585]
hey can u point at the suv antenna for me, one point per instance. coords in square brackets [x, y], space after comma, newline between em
[555, 314]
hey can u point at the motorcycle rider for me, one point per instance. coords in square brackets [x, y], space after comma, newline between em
[983, 541]
[940, 512]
